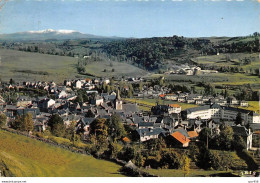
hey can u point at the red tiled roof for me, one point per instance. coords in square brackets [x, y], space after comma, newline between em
[175, 105]
[193, 134]
[125, 139]
[180, 137]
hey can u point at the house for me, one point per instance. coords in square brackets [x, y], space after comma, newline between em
[253, 117]
[150, 133]
[171, 97]
[40, 123]
[143, 125]
[190, 100]
[78, 84]
[83, 125]
[23, 101]
[232, 101]
[98, 100]
[181, 99]
[46, 103]
[179, 139]
[174, 108]
[246, 135]
[243, 103]
[62, 94]
[199, 102]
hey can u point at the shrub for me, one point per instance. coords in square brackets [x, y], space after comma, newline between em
[170, 159]
[250, 161]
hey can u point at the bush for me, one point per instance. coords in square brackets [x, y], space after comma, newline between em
[152, 161]
[250, 161]
[170, 159]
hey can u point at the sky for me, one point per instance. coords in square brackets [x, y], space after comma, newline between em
[134, 18]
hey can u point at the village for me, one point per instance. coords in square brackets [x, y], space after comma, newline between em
[83, 102]
[161, 120]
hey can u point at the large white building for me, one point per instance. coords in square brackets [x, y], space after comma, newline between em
[216, 111]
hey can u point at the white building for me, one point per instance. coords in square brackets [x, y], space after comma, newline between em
[78, 84]
[215, 111]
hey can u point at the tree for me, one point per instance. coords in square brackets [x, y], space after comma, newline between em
[185, 164]
[141, 86]
[27, 122]
[115, 149]
[205, 135]
[139, 159]
[239, 119]
[226, 94]
[2, 119]
[23, 122]
[79, 99]
[238, 143]
[100, 129]
[116, 128]
[57, 125]
[226, 137]
[11, 81]
[170, 159]
[70, 132]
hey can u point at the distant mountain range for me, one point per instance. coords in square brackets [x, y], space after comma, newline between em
[50, 34]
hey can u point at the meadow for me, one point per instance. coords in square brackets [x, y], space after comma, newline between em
[22, 66]
[27, 66]
[180, 173]
[220, 60]
[119, 69]
[146, 104]
[27, 157]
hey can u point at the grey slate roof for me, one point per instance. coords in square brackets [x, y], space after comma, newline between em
[87, 121]
[148, 132]
[255, 126]
[146, 124]
[130, 108]
[240, 130]
[182, 131]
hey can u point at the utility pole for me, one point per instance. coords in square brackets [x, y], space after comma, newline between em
[207, 136]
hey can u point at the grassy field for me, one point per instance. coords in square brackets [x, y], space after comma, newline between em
[120, 69]
[220, 60]
[23, 66]
[30, 158]
[152, 102]
[180, 173]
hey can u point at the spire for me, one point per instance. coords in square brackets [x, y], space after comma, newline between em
[118, 95]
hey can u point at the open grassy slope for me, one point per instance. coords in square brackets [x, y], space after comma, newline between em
[120, 69]
[27, 66]
[23, 66]
[220, 60]
[30, 158]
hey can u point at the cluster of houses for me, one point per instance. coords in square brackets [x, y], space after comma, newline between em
[199, 99]
[163, 120]
[185, 69]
